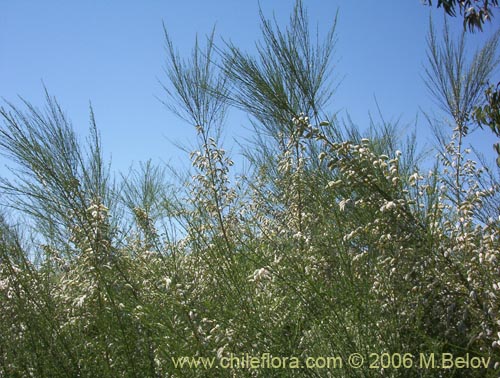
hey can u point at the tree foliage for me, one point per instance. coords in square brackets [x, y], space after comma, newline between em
[486, 113]
[489, 114]
[336, 241]
[474, 12]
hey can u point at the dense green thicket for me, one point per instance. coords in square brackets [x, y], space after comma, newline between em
[335, 243]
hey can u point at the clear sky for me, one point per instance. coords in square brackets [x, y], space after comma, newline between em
[112, 53]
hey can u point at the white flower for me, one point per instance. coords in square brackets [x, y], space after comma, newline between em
[343, 203]
[413, 178]
[220, 351]
[260, 274]
[349, 236]
[168, 281]
[79, 302]
[389, 205]
[332, 184]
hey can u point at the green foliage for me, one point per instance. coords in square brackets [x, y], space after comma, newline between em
[455, 82]
[475, 16]
[288, 75]
[475, 13]
[489, 114]
[335, 242]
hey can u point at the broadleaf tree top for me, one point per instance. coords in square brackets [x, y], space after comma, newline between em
[474, 12]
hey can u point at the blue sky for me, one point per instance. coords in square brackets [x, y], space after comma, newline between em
[112, 54]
